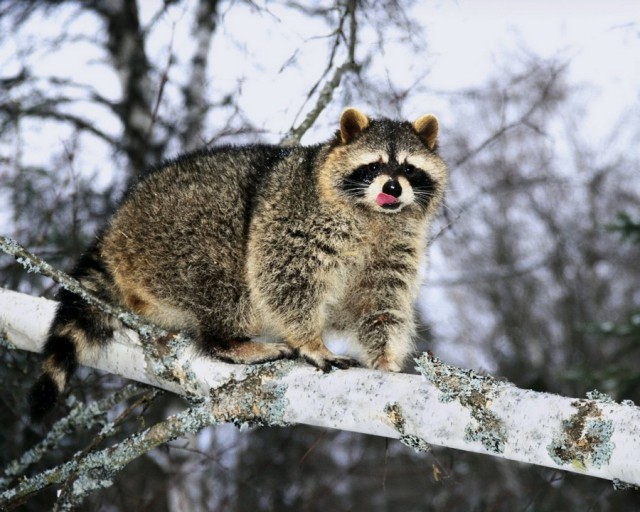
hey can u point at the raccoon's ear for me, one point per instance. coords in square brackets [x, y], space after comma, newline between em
[427, 128]
[352, 122]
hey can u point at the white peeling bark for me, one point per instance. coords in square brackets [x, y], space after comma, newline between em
[444, 406]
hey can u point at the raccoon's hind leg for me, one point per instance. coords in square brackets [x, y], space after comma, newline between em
[244, 350]
[77, 328]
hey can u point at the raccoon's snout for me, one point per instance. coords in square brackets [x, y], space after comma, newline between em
[388, 197]
[393, 188]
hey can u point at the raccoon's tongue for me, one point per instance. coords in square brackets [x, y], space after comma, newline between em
[383, 199]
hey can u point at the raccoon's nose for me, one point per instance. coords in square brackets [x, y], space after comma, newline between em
[393, 188]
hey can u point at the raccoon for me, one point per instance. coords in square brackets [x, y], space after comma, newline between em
[233, 243]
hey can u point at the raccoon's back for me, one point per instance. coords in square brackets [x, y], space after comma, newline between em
[221, 183]
[183, 227]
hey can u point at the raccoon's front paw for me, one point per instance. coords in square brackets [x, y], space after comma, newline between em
[385, 363]
[325, 360]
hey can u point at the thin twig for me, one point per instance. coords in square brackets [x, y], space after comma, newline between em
[98, 468]
[68, 495]
[326, 94]
[80, 416]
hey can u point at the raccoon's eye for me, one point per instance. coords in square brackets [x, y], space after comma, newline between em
[409, 170]
[373, 168]
[355, 184]
[366, 173]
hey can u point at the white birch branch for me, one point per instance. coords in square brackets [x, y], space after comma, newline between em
[444, 405]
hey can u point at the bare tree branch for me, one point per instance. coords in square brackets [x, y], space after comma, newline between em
[33, 263]
[81, 416]
[48, 111]
[446, 406]
[326, 94]
[97, 469]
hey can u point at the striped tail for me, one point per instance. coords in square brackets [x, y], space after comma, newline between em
[77, 328]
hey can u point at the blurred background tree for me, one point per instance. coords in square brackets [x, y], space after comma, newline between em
[527, 281]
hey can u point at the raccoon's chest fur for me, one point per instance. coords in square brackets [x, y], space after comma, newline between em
[295, 243]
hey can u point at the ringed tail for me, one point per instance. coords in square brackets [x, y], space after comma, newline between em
[77, 328]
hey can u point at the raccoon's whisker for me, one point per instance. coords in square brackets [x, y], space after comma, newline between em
[347, 181]
[423, 193]
[451, 210]
[423, 197]
[354, 186]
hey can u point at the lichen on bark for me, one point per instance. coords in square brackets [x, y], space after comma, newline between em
[584, 439]
[474, 392]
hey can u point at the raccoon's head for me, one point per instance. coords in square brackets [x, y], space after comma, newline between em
[385, 166]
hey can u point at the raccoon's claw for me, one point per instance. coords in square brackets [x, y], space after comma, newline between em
[342, 363]
[327, 362]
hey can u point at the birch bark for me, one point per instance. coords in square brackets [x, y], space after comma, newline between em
[444, 405]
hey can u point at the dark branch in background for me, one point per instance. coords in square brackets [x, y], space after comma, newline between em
[15, 80]
[162, 82]
[546, 94]
[493, 274]
[125, 45]
[326, 94]
[523, 120]
[194, 92]
[48, 111]
[81, 416]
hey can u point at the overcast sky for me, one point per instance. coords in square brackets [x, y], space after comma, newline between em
[467, 41]
[472, 39]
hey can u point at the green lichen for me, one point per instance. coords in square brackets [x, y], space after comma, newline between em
[80, 416]
[85, 484]
[5, 342]
[474, 392]
[259, 399]
[396, 416]
[29, 266]
[394, 413]
[619, 485]
[164, 360]
[489, 431]
[585, 438]
[599, 396]
[415, 442]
